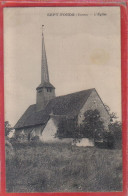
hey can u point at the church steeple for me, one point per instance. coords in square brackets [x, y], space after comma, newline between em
[45, 91]
[44, 65]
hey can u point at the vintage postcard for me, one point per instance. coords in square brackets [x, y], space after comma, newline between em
[62, 99]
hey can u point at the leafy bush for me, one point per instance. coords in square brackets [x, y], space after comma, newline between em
[35, 138]
[116, 129]
[92, 126]
[8, 128]
[9, 149]
[66, 128]
[108, 140]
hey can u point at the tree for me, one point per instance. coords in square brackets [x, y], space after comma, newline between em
[115, 127]
[92, 126]
[116, 130]
[66, 128]
[8, 128]
[112, 115]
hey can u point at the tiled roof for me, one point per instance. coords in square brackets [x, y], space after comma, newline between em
[67, 105]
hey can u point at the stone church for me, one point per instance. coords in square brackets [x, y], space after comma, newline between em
[41, 119]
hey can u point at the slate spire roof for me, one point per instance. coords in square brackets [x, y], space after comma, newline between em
[66, 105]
[45, 82]
[44, 65]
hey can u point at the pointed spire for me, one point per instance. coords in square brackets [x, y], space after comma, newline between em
[45, 91]
[44, 65]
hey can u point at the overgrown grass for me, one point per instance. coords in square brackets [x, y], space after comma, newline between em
[39, 167]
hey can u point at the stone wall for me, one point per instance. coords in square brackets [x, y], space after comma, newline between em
[94, 102]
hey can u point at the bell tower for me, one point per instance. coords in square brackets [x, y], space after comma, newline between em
[45, 91]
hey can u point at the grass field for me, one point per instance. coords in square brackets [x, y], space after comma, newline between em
[39, 167]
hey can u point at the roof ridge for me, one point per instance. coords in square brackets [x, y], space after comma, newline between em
[74, 93]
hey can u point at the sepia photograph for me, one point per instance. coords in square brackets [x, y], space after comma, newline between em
[62, 96]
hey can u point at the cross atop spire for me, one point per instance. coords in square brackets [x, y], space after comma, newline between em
[44, 65]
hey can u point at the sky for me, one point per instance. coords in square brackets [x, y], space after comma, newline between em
[83, 51]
